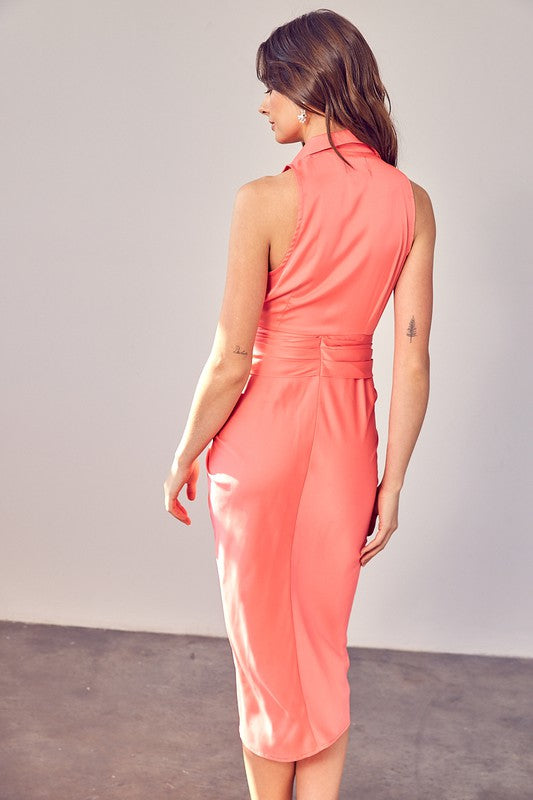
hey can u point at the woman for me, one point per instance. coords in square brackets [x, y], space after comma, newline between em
[287, 397]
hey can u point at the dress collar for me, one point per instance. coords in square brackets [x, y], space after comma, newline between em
[343, 136]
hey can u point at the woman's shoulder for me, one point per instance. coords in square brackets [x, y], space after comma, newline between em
[276, 192]
[424, 214]
[266, 183]
[420, 193]
[265, 186]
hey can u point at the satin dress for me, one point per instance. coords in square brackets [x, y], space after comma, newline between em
[292, 474]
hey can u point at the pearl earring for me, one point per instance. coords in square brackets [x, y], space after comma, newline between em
[302, 116]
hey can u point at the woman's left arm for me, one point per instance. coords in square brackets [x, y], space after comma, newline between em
[228, 366]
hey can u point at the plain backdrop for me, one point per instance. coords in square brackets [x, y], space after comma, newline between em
[127, 128]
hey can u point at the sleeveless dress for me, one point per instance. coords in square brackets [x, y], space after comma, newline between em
[292, 473]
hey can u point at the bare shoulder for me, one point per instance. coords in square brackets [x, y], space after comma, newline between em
[424, 217]
[266, 185]
[275, 195]
[250, 192]
[261, 192]
[250, 200]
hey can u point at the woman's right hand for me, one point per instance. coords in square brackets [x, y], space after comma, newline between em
[386, 508]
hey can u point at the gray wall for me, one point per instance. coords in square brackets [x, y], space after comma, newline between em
[127, 128]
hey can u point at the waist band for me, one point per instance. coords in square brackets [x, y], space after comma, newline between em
[288, 353]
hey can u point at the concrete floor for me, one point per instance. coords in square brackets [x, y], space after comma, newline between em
[90, 714]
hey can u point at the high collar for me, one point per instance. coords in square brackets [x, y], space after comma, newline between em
[343, 136]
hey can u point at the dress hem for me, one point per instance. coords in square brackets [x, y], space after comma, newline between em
[297, 758]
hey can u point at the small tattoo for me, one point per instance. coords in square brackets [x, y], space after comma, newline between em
[237, 349]
[411, 330]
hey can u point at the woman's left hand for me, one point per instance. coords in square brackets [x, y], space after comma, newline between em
[178, 476]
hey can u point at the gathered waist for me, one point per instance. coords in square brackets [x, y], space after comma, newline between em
[292, 353]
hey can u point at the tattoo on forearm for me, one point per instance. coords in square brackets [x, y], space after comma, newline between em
[411, 330]
[238, 349]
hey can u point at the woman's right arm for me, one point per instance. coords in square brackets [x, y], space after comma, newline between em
[413, 306]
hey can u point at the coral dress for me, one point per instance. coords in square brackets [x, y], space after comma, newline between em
[292, 474]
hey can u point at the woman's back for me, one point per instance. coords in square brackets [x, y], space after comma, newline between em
[354, 230]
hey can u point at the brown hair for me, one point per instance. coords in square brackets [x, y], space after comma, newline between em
[323, 63]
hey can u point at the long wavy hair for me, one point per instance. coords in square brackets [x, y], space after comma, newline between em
[323, 63]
